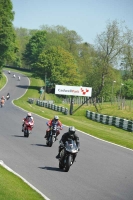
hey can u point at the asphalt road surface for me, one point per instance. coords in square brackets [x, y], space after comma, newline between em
[102, 171]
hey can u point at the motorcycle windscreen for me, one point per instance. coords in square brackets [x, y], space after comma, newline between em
[71, 145]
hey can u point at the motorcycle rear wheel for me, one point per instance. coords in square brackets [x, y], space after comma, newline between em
[50, 141]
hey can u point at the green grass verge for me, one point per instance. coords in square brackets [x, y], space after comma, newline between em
[2, 82]
[14, 188]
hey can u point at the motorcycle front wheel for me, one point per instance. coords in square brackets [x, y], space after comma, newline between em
[68, 163]
[26, 133]
[60, 166]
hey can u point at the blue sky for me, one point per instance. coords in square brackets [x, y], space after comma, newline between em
[87, 17]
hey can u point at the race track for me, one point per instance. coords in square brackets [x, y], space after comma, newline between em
[102, 171]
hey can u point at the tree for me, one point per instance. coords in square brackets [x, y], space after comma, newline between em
[23, 35]
[127, 58]
[61, 36]
[109, 46]
[34, 47]
[59, 65]
[127, 89]
[7, 34]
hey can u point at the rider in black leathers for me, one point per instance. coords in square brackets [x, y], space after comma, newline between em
[69, 135]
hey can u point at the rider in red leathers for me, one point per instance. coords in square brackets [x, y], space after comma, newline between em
[28, 118]
[51, 122]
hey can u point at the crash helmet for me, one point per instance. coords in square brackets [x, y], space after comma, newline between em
[71, 130]
[56, 118]
[28, 114]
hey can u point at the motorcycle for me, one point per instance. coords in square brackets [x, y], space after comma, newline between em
[2, 102]
[8, 96]
[51, 135]
[28, 126]
[68, 154]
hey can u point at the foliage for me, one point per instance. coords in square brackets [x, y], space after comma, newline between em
[109, 45]
[61, 36]
[7, 43]
[59, 65]
[127, 60]
[127, 89]
[34, 47]
[96, 64]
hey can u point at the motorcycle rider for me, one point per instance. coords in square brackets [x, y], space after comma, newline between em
[71, 134]
[52, 122]
[3, 98]
[18, 78]
[2, 101]
[28, 118]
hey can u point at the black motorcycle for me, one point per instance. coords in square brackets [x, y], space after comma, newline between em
[7, 96]
[51, 136]
[68, 155]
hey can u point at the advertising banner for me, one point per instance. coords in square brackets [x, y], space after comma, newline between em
[73, 90]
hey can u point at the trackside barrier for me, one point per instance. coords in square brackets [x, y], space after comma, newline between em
[50, 105]
[30, 100]
[110, 120]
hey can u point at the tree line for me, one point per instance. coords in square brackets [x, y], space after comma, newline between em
[62, 56]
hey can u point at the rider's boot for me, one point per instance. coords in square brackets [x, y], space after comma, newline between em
[58, 156]
[22, 127]
[46, 135]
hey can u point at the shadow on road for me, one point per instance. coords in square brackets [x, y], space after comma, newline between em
[40, 145]
[18, 136]
[22, 86]
[51, 169]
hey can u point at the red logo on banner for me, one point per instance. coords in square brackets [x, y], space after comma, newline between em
[84, 91]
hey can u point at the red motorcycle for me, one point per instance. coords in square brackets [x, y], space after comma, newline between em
[28, 126]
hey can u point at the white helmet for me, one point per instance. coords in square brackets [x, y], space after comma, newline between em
[29, 115]
[71, 130]
[56, 118]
